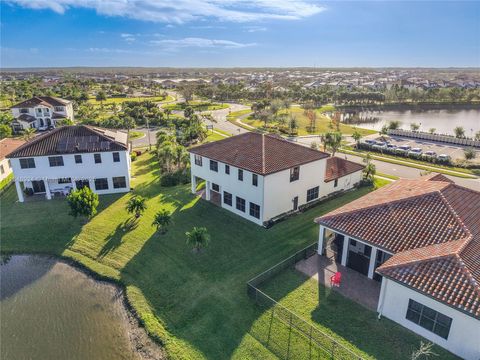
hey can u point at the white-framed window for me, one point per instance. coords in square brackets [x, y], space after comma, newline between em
[312, 193]
[428, 318]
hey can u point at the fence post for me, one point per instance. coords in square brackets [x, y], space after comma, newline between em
[333, 349]
[289, 336]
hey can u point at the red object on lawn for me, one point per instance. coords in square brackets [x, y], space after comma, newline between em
[336, 279]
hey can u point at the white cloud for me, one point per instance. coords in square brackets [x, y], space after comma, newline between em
[180, 11]
[252, 29]
[129, 38]
[193, 42]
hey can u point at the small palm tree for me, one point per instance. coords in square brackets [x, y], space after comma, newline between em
[370, 170]
[28, 134]
[137, 205]
[162, 220]
[357, 136]
[198, 237]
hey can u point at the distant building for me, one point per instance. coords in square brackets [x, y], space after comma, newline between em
[40, 112]
[7, 145]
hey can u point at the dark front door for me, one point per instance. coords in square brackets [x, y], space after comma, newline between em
[80, 184]
[379, 260]
[38, 186]
[295, 203]
[337, 247]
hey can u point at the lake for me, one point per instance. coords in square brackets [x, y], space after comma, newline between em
[444, 121]
[51, 310]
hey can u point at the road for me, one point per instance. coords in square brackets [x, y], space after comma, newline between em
[221, 122]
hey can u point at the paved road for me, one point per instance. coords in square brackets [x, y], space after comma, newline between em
[221, 122]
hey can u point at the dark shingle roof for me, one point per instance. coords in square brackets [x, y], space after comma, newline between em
[259, 153]
[41, 100]
[27, 118]
[432, 226]
[69, 140]
[338, 167]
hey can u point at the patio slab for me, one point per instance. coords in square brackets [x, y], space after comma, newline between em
[354, 285]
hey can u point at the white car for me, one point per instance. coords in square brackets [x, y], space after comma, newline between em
[443, 157]
[403, 149]
[415, 152]
[429, 154]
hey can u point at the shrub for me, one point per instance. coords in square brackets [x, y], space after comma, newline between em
[133, 156]
[175, 178]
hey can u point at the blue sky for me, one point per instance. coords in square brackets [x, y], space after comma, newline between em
[227, 33]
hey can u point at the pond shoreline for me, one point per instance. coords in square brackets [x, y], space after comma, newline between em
[143, 345]
[407, 107]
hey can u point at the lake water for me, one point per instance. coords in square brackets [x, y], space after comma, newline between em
[444, 121]
[50, 310]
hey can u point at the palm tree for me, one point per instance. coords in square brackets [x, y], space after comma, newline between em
[198, 237]
[167, 154]
[162, 220]
[28, 134]
[136, 204]
[333, 140]
[167, 113]
[459, 132]
[357, 136]
[369, 170]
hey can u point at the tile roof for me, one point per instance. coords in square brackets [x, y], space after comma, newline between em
[71, 140]
[27, 118]
[41, 100]
[7, 145]
[432, 226]
[338, 167]
[259, 153]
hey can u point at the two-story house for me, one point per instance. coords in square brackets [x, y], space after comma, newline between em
[40, 112]
[263, 176]
[72, 157]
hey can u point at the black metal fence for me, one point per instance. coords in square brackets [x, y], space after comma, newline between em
[284, 332]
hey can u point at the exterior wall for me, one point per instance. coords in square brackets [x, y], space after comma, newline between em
[87, 170]
[231, 184]
[464, 337]
[7, 170]
[279, 191]
[344, 183]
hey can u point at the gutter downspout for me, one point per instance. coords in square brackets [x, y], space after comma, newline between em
[383, 289]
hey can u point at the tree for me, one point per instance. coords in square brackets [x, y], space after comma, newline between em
[83, 202]
[167, 113]
[161, 220]
[198, 237]
[423, 352]
[469, 153]
[414, 126]
[28, 134]
[136, 205]
[432, 130]
[187, 92]
[459, 132]
[477, 136]
[357, 136]
[369, 170]
[394, 125]
[332, 141]
[188, 112]
[101, 96]
[5, 131]
[292, 124]
[128, 123]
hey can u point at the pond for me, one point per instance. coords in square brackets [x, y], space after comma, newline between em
[51, 310]
[444, 121]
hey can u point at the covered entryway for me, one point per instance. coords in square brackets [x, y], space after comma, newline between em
[38, 186]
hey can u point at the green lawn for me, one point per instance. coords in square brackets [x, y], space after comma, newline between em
[135, 135]
[349, 323]
[196, 105]
[5, 182]
[322, 123]
[124, 99]
[195, 304]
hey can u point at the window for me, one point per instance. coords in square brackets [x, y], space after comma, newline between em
[47, 110]
[240, 204]
[23, 111]
[39, 110]
[27, 163]
[215, 187]
[227, 198]
[294, 173]
[254, 179]
[255, 210]
[98, 158]
[429, 319]
[240, 174]
[213, 165]
[312, 194]
[116, 157]
[227, 169]
[55, 161]
[101, 184]
[2, 170]
[335, 183]
[64, 181]
[353, 242]
[198, 160]
[59, 108]
[78, 159]
[119, 182]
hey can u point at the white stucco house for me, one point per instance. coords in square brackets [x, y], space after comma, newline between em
[40, 112]
[421, 240]
[263, 176]
[7, 145]
[71, 157]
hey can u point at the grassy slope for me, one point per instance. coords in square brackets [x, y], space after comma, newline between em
[195, 303]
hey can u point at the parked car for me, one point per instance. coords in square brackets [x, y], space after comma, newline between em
[443, 158]
[403, 149]
[370, 142]
[429, 154]
[415, 152]
[391, 147]
[379, 145]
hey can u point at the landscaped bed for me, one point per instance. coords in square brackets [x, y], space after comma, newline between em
[195, 304]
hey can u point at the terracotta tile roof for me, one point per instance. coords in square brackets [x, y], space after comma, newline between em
[338, 167]
[259, 153]
[432, 226]
[58, 116]
[69, 140]
[7, 145]
[436, 177]
[27, 118]
[41, 100]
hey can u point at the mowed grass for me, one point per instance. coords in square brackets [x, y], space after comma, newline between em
[121, 100]
[322, 123]
[195, 304]
[352, 325]
[196, 105]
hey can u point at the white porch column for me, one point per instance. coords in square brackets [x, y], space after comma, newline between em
[346, 242]
[207, 188]
[91, 185]
[371, 265]
[48, 194]
[19, 191]
[194, 183]
[321, 236]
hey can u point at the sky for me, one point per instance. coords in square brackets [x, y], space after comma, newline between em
[239, 33]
